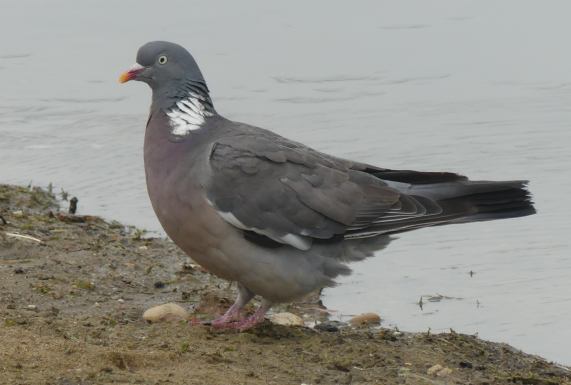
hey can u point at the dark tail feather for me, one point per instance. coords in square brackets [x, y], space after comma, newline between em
[447, 198]
[481, 201]
[460, 197]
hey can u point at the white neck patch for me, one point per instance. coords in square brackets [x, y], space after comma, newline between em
[189, 114]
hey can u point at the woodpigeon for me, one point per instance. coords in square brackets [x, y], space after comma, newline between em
[280, 218]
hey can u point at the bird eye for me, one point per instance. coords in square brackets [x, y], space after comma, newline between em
[163, 59]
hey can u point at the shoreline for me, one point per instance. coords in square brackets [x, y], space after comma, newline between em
[74, 288]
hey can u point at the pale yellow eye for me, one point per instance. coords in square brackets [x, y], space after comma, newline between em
[163, 60]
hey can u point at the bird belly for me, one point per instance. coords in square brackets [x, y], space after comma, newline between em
[197, 228]
[193, 226]
[277, 274]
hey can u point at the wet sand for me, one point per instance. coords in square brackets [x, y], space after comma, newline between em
[73, 290]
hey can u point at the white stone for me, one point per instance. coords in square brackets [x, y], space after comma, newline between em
[168, 312]
[434, 369]
[439, 371]
[286, 319]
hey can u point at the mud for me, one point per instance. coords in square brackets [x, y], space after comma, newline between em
[73, 290]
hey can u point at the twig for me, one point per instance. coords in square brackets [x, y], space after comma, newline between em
[14, 235]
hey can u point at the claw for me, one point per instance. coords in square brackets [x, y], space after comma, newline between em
[247, 323]
[232, 320]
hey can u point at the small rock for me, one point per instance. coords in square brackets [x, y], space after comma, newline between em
[365, 319]
[444, 372]
[159, 285]
[438, 371]
[18, 270]
[32, 307]
[168, 312]
[465, 365]
[328, 326]
[187, 268]
[286, 319]
[18, 213]
[121, 300]
[388, 335]
[434, 369]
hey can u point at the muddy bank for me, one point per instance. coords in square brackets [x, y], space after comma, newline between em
[73, 290]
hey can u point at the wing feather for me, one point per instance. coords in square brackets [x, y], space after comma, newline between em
[294, 195]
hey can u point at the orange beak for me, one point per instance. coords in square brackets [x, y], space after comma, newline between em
[131, 73]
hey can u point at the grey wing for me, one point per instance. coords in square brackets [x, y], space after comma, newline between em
[294, 195]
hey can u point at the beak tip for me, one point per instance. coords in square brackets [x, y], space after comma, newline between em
[131, 73]
[124, 78]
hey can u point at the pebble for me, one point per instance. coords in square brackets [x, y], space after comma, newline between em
[444, 372]
[434, 369]
[438, 371]
[466, 364]
[18, 213]
[286, 319]
[365, 319]
[168, 312]
[328, 326]
[32, 307]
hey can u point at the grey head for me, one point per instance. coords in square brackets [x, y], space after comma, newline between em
[170, 70]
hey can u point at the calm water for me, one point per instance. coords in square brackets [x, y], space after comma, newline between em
[477, 87]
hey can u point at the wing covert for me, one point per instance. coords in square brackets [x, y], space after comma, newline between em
[295, 195]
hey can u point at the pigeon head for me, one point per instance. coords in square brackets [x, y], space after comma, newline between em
[161, 64]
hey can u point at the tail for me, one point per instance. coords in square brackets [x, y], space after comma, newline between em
[484, 200]
[460, 200]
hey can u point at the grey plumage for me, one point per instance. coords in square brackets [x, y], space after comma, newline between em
[278, 217]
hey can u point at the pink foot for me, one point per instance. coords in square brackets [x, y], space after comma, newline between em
[231, 315]
[250, 322]
[247, 323]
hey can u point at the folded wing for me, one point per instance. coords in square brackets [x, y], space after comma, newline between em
[293, 195]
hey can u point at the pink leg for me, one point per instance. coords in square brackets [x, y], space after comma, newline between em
[233, 313]
[253, 320]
